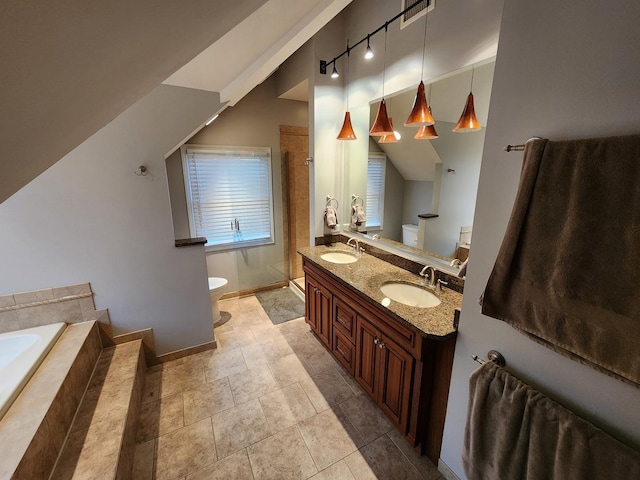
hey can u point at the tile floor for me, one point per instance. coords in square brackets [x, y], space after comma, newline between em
[269, 403]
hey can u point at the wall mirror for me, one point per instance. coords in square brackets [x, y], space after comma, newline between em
[426, 204]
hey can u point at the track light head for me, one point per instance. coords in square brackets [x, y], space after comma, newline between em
[368, 54]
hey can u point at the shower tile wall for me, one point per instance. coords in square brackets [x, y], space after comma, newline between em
[294, 144]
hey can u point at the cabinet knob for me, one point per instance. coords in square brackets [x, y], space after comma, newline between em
[381, 345]
[376, 341]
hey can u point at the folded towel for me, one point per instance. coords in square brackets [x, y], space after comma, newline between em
[331, 218]
[514, 432]
[358, 216]
[567, 272]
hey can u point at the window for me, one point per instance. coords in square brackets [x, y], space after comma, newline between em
[375, 190]
[229, 195]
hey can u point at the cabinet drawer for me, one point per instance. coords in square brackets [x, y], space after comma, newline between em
[344, 318]
[344, 351]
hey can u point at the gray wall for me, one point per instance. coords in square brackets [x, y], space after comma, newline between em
[89, 218]
[564, 70]
[417, 200]
[254, 121]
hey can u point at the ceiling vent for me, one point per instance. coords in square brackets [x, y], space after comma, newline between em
[416, 12]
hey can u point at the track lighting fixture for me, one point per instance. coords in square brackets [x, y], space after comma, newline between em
[346, 132]
[368, 54]
[382, 126]
[421, 113]
[334, 73]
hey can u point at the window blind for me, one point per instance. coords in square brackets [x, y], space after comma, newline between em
[375, 190]
[229, 195]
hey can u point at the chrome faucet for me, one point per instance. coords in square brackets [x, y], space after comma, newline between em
[429, 274]
[355, 245]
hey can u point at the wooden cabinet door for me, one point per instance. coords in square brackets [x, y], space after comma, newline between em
[310, 310]
[395, 369]
[323, 313]
[367, 338]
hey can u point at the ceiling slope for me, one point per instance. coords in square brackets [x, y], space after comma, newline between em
[70, 67]
[251, 51]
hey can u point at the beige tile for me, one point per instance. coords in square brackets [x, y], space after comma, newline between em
[426, 469]
[355, 387]
[239, 427]
[266, 332]
[224, 363]
[7, 301]
[337, 471]
[289, 369]
[366, 417]
[144, 460]
[381, 459]
[86, 305]
[286, 407]
[34, 296]
[276, 348]
[185, 451]
[236, 338]
[37, 461]
[330, 437]
[91, 453]
[68, 311]
[173, 379]
[233, 467]
[207, 400]
[71, 290]
[283, 455]
[252, 383]
[9, 321]
[160, 417]
[327, 389]
[116, 364]
[253, 355]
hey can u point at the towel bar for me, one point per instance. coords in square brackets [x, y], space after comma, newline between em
[493, 356]
[514, 148]
[355, 198]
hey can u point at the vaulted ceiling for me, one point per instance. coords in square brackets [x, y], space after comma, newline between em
[70, 67]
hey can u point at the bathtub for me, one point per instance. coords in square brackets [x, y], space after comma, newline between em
[21, 352]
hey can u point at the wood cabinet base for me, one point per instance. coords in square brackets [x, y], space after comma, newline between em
[405, 373]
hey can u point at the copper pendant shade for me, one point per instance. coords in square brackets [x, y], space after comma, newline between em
[382, 125]
[420, 114]
[389, 138]
[426, 132]
[468, 121]
[346, 132]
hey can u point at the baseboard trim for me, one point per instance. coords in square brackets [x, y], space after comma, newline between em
[296, 289]
[446, 472]
[175, 355]
[251, 291]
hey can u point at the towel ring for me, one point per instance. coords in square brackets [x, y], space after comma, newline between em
[331, 199]
[355, 198]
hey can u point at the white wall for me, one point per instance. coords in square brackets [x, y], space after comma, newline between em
[254, 121]
[461, 152]
[89, 218]
[564, 70]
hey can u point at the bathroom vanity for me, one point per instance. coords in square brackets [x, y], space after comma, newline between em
[401, 355]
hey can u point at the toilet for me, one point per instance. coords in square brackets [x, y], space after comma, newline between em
[216, 289]
[410, 235]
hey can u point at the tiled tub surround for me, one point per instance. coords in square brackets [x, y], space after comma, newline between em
[369, 273]
[69, 304]
[21, 353]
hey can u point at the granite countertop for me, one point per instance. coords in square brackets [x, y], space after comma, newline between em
[369, 273]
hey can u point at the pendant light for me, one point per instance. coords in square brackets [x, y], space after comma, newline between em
[382, 126]
[393, 138]
[421, 113]
[427, 132]
[368, 54]
[468, 121]
[346, 132]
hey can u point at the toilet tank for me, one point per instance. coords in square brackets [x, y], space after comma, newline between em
[410, 234]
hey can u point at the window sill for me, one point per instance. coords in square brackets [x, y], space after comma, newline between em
[188, 242]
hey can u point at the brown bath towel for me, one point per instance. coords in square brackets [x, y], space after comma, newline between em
[568, 270]
[514, 432]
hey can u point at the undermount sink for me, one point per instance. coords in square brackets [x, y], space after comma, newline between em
[339, 257]
[410, 295]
